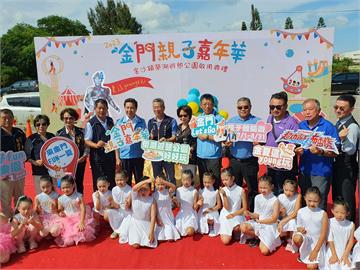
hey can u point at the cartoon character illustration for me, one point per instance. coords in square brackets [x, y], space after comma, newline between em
[97, 91]
[294, 84]
[53, 65]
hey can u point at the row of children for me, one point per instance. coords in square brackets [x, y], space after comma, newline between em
[141, 218]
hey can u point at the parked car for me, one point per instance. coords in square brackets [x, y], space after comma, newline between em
[21, 87]
[24, 106]
[345, 83]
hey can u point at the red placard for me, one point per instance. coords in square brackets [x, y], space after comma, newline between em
[60, 156]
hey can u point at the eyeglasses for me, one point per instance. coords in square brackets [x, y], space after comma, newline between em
[69, 118]
[278, 107]
[183, 115]
[243, 107]
[339, 107]
[40, 124]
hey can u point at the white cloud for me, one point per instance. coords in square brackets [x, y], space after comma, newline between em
[157, 17]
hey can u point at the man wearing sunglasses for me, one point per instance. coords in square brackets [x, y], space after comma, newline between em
[280, 120]
[243, 163]
[316, 165]
[346, 166]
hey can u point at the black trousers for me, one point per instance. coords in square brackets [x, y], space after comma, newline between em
[278, 178]
[103, 168]
[344, 184]
[246, 169]
[133, 166]
[79, 177]
[213, 165]
[160, 166]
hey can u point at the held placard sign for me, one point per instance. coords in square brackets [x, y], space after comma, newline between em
[60, 156]
[12, 165]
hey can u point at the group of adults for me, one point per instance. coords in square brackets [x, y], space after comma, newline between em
[312, 167]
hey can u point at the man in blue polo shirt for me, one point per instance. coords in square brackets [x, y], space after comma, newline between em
[208, 151]
[131, 155]
[316, 165]
[242, 161]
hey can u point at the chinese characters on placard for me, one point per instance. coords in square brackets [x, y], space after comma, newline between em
[279, 157]
[124, 134]
[308, 138]
[12, 165]
[166, 151]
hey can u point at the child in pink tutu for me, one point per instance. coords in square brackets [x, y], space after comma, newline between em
[7, 241]
[46, 207]
[77, 221]
[26, 224]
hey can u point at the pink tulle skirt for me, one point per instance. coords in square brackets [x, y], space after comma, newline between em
[51, 220]
[7, 242]
[70, 233]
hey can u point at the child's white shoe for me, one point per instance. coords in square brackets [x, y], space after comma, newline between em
[32, 244]
[21, 248]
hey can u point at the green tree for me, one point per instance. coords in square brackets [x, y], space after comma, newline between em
[321, 23]
[115, 18]
[289, 23]
[61, 26]
[18, 53]
[255, 23]
[341, 64]
[243, 26]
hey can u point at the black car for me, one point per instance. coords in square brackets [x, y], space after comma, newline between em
[345, 83]
[20, 87]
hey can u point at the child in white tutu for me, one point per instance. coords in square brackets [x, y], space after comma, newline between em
[263, 223]
[7, 240]
[26, 224]
[46, 204]
[165, 229]
[210, 204]
[102, 199]
[290, 203]
[312, 226]
[340, 238]
[118, 213]
[186, 200]
[78, 224]
[234, 205]
[356, 251]
[141, 230]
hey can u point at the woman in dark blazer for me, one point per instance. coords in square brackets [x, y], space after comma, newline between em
[69, 116]
[33, 146]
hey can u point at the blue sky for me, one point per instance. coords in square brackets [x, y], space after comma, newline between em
[162, 16]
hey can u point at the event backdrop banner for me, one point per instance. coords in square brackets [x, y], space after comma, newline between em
[178, 67]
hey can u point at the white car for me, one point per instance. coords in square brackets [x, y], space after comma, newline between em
[24, 106]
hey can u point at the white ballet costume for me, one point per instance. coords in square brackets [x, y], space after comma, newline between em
[117, 216]
[289, 204]
[339, 234]
[356, 249]
[168, 230]
[311, 220]
[104, 201]
[139, 227]
[187, 216]
[267, 233]
[48, 216]
[209, 195]
[234, 195]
